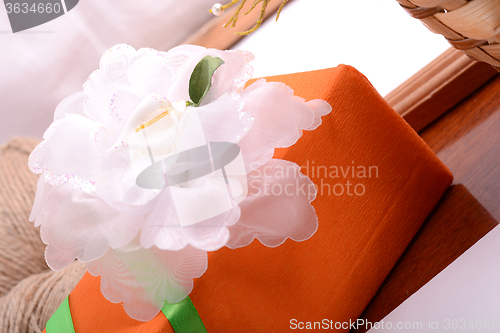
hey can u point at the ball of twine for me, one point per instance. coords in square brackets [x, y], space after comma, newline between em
[29, 291]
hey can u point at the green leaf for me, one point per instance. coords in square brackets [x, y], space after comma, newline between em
[201, 78]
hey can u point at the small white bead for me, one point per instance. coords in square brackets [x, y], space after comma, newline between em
[217, 9]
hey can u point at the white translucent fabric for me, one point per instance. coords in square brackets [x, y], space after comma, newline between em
[88, 202]
[41, 66]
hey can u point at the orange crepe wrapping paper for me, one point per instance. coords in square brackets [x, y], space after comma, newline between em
[334, 274]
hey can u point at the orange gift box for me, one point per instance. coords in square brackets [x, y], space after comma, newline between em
[362, 231]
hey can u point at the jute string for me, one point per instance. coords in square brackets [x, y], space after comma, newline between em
[29, 291]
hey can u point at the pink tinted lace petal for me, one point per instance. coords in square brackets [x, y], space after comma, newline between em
[279, 119]
[73, 104]
[42, 191]
[148, 72]
[162, 228]
[224, 120]
[144, 278]
[82, 226]
[320, 108]
[278, 207]
[71, 155]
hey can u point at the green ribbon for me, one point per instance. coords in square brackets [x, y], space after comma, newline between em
[61, 321]
[182, 316]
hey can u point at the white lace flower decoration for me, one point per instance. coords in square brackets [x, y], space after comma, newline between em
[125, 186]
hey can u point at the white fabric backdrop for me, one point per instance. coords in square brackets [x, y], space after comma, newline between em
[42, 65]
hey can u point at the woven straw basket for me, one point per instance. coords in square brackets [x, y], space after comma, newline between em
[472, 26]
